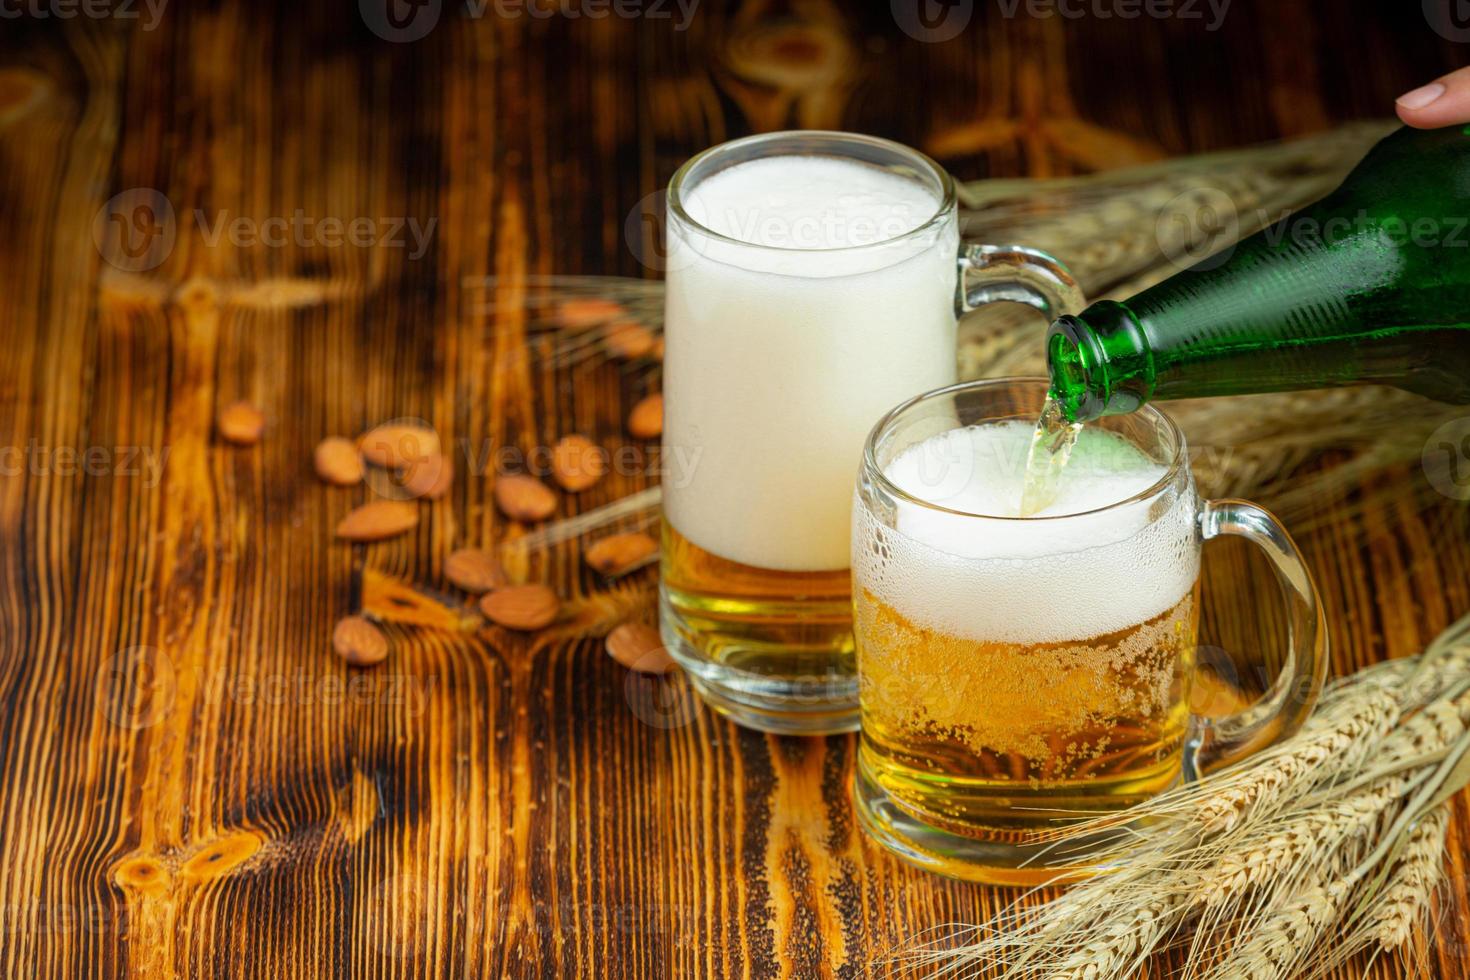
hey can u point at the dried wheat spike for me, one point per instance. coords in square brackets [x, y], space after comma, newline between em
[1287, 937]
[1414, 879]
[1118, 947]
[1341, 737]
[1300, 843]
[1430, 729]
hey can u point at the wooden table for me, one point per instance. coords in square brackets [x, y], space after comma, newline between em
[194, 785]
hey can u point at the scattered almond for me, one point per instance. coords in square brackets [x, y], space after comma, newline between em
[338, 462]
[473, 570]
[638, 646]
[524, 498]
[378, 520]
[619, 553]
[429, 477]
[359, 642]
[397, 444]
[581, 314]
[646, 421]
[241, 423]
[521, 607]
[577, 463]
[627, 339]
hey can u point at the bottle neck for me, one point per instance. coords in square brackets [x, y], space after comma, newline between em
[1100, 362]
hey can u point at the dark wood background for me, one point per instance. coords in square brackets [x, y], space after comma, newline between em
[191, 784]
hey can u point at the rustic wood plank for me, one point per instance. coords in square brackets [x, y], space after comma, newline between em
[194, 777]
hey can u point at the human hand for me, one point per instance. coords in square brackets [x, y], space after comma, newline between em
[1443, 102]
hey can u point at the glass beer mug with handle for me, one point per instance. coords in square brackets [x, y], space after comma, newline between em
[1020, 672]
[813, 280]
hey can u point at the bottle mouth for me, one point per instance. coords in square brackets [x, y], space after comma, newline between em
[1100, 362]
[1078, 375]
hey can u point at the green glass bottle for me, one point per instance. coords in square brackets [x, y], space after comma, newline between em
[1369, 285]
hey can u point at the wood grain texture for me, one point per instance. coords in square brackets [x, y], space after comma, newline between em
[193, 785]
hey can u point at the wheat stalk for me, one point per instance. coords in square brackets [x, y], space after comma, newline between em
[1337, 831]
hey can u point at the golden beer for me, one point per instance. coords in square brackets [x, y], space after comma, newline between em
[955, 727]
[761, 621]
[1018, 674]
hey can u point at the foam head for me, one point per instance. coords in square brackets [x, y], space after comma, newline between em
[1105, 555]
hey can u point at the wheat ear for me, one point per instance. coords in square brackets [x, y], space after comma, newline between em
[1300, 843]
[1118, 948]
[1342, 737]
[1414, 879]
[1287, 936]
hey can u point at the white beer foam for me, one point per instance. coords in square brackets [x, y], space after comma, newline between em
[779, 361]
[1066, 575]
[806, 207]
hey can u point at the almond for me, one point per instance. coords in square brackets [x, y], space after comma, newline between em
[521, 607]
[474, 570]
[338, 462]
[646, 421]
[627, 339]
[583, 313]
[524, 498]
[577, 463]
[397, 444]
[620, 553]
[359, 642]
[429, 477]
[377, 520]
[638, 646]
[241, 423]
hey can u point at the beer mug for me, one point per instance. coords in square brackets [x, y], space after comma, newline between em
[814, 280]
[1020, 672]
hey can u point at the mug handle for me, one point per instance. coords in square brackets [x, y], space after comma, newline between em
[1015, 274]
[1217, 742]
